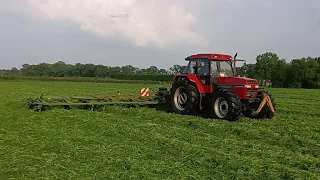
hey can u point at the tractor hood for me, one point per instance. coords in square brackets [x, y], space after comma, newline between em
[232, 80]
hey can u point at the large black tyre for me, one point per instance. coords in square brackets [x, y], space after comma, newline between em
[185, 98]
[266, 112]
[226, 105]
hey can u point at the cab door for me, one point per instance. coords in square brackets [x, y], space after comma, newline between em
[203, 71]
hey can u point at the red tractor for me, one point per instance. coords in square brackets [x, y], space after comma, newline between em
[210, 84]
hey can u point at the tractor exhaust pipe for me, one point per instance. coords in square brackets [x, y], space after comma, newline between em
[234, 64]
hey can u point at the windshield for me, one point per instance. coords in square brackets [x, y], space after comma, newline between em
[222, 68]
[218, 68]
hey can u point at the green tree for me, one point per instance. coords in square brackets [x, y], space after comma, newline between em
[114, 71]
[240, 71]
[303, 73]
[250, 71]
[279, 74]
[14, 71]
[163, 71]
[312, 77]
[128, 69]
[152, 70]
[176, 69]
[102, 71]
[265, 65]
[58, 69]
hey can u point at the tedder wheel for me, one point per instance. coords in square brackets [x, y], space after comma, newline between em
[184, 97]
[225, 105]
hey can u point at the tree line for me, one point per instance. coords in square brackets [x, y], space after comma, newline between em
[298, 73]
[61, 69]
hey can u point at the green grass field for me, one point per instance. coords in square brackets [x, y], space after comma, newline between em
[148, 144]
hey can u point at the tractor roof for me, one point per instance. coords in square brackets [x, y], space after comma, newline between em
[213, 57]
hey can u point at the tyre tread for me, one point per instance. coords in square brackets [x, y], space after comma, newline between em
[192, 107]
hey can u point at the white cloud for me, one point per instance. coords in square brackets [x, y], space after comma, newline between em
[144, 22]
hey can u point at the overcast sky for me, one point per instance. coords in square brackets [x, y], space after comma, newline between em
[153, 32]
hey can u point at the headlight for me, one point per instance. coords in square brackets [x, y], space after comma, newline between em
[251, 86]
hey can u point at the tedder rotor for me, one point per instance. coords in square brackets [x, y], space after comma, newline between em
[209, 85]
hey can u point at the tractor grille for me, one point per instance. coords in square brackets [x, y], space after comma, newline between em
[252, 82]
[251, 93]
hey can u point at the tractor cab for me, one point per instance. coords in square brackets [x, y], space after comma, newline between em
[209, 71]
[205, 67]
[210, 82]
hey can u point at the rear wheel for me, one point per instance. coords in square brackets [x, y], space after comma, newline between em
[225, 105]
[184, 97]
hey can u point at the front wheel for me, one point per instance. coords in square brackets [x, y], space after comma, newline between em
[225, 105]
[221, 107]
